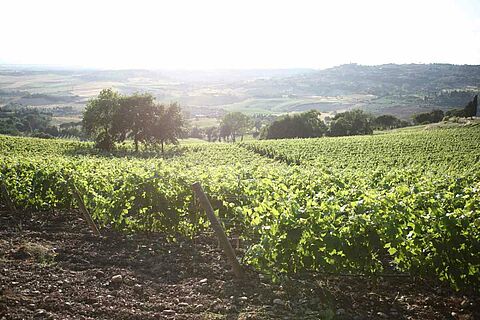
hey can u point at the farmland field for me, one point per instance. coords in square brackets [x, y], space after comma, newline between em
[403, 202]
[374, 89]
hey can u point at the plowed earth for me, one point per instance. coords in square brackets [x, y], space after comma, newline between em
[52, 267]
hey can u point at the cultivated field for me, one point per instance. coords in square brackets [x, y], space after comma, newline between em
[403, 204]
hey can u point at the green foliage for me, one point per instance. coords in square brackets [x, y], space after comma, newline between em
[136, 117]
[428, 117]
[309, 125]
[408, 201]
[456, 113]
[387, 121]
[304, 125]
[19, 120]
[234, 124]
[377, 201]
[470, 110]
[350, 123]
[168, 125]
[111, 118]
[211, 133]
[99, 119]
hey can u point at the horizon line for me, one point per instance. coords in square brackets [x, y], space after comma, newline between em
[78, 67]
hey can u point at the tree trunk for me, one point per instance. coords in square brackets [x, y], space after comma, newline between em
[136, 143]
[162, 145]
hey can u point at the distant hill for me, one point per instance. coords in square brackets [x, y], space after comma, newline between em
[394, 89]
[389, 79]
[397, 89]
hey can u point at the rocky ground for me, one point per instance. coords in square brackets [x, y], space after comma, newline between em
[51, 267]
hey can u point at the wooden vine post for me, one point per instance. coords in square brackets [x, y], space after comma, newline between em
[217, 227]
[86, 215]
[7, 198]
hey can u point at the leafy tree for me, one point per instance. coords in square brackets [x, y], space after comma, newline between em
[224, 132]
[99, 119]
[355, 122]
[135, 117]
[9, 126]
[70, 129]
[388, 122]
[17, 120]
[168, 125]
[233, 124]
[212, 134]
[51, 130]
[33, 120]
[475, 105]
[428, 117]
[469, 111]
[471, 108]
[456, 113]
[339, 127]
[304, 125]
[195, 132]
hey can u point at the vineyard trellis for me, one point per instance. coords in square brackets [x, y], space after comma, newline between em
[407, 202]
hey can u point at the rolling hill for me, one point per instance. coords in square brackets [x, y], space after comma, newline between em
[384, 89]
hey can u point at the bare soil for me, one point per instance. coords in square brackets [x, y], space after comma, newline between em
[52, 267]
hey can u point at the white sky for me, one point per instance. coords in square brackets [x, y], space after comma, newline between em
[201, 34]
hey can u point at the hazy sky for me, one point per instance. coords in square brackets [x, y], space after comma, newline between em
[238, 34]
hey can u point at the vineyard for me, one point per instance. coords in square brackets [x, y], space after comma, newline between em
[398, 203]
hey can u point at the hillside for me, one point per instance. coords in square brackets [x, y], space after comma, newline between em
[395, 89]
[391, 79]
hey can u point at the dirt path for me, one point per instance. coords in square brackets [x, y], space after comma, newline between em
[52, 268]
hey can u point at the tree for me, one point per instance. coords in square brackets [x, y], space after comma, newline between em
[456, 113]
[475, 105]
[469, 111]
[195, 132]
[111, 118]
[233, 124]
[428, 117]
[99, 119]
[25, 119]
[212, 134]
[355, 122]
[70, 129]
[168, 125]
[387, 121]
[10, 126]
[471, 108]
[304, 125]
[339, 127]
[224, 132]
[135, 117]
[16, 119]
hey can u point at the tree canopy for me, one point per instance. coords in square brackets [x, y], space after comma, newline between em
[110, 118]
[386, 121]
[349, 123]
[99, 119]
[428, 117]
[310, 125]
[304, 125]
[20, 120]
[234, 124]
